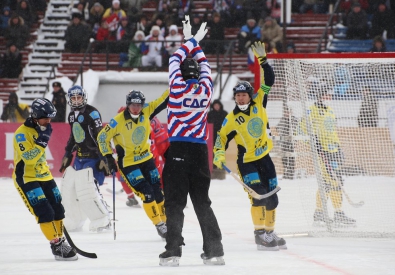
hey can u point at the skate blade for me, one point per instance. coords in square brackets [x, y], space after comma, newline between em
[214, 261]
[74, 258]
[283, 247]
[265, 248]
[171, 261]
[344, 225]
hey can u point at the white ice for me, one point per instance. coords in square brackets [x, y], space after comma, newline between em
[24, 250]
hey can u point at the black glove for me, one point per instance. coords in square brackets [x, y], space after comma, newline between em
[103, 166]
[112, 165]
[67, 158]
[43, 136]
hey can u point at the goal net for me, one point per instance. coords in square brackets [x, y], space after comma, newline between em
[333, 124]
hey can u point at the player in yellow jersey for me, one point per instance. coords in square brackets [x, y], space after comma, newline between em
[130, 132]
[322, 122]
[248, 125]
[34, 181]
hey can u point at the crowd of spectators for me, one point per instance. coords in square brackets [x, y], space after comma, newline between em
[16, 21]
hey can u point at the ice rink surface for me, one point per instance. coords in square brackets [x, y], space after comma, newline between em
[24, 250]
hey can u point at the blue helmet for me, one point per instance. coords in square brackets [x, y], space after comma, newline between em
[243, 87]
[135, 97]
[74, 92]
[42, 108]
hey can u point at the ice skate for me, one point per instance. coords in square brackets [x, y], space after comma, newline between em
[282, 244]
[319, 218]
[63, 251]
[170, 257]
[104, 228]
[265, 240]
[132, 202]
[341, 219]
[162, 230]
[212, 259]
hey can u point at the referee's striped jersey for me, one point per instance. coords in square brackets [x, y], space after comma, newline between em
[189, 100]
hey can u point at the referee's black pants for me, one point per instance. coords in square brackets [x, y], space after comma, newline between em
[187, 171]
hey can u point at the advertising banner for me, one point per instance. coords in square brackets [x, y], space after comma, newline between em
[54, 150]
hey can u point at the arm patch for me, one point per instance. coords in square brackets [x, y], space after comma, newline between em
[113, 123]
[20, 137]
[95, 115]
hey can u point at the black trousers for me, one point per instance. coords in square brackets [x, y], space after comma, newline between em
[187, 171]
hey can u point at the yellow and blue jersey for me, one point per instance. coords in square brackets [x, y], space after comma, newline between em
[30, 162]
[131, 136]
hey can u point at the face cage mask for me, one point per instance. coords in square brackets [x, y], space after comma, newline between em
[77, 104]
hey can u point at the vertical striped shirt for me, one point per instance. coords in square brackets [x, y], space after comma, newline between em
[189, 100]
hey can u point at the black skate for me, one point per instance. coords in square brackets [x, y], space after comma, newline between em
[209, 259]
[265, 240]
[319, 218]
[162, 230]
[282, 244]
[341, 219]
[170, 257]
[63, 251]
[132, 202]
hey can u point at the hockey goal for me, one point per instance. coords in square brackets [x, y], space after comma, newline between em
[361, 91]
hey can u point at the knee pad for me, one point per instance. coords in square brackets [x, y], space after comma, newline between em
[155, 177]
[251, 179]
[40, 205]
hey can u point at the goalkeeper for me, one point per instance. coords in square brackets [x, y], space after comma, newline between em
[248, 125]
[323, 129]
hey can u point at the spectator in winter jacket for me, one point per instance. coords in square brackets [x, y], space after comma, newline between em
[124, 35]
[273, 33]
[11, 62]
[378, 45]
[159, 21]
[357, 23]
[216, 116]
[4, 18]
[173, 40]
[248, 34]
[383, 20]
[113, 15]
[14, 111]
[25, 11]
[59, 101]
[95, 17]
[17, 32]
[317, 6]
[77, 35]
[215, 43]
[256, 9]
[154, 41]
[136, 49]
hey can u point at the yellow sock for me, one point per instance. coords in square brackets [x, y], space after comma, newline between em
[49, 230]
[270, 220]
[161, 207]
[258, 216]
[59, 227]
[152, 211]
[336, 198]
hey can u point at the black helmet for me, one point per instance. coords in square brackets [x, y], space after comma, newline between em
[135, 97]
[243, 87]
[42, 108]
[190, 69]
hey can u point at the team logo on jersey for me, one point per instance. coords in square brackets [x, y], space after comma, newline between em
[113, 123]
[195, 102]
[224, 122]
[141, 118]
[329, 124]
[255, 127]
[138, 135]
[95, 115]
[255, 110]
[80, 119]
[20, 137]
[78, 133]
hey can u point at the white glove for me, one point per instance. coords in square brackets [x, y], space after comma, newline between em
[201, 32]
[258, 48]
[187, 28]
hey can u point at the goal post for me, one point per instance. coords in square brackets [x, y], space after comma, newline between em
[358, 93]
